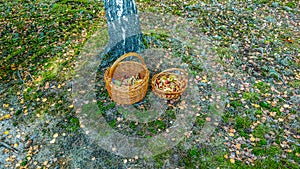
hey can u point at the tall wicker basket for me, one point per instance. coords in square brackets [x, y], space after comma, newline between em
[127, 94]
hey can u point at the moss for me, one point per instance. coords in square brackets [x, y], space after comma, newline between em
[194, 152]
[74, 124]
[251, 96]
[236, 103]
[263, 87]
[260, 131]
[227, 117]
[242, 122]
[295, 83]
[265, 105]
[271, 162]
[277, 110]
[290, 4]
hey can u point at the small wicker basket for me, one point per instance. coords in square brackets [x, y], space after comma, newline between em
[181, 74]
[127, 94]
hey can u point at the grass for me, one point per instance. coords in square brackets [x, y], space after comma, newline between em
[39, 49]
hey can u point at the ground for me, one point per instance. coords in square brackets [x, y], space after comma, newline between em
[257, 43]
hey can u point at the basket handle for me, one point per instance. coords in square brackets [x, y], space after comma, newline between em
[113, 67]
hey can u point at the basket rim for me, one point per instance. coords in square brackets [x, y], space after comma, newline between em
[135, 92]
[166, 72]
[109, 80]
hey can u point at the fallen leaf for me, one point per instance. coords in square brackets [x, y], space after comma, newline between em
[232, 130]
[47, 85]
[52, 141]
[45, 162]
[13, 66]
[289, 40]
[272, 114]
[256, 105]
[55, 135]
[286, 106]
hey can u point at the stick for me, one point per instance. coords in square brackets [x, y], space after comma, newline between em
[8, 146]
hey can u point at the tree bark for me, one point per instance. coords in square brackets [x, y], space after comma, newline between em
[123, 28]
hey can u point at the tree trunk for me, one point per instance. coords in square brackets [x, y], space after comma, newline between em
[123, 28]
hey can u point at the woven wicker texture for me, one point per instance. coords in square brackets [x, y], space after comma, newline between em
[182, 76]
[127, 94]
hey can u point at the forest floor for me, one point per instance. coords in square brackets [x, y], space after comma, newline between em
[40, 42]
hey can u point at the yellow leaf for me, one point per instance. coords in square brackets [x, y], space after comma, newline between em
[256, 105]
[55, 135]
[38, 79]
[231, 134]
[71, 106]
[6, 132]
[44, 100]
[232, 160]
[252, 139]
[225, 156]
[13, 66]
[6, 105]
[52, 141]
[204, 80]
[273, 114]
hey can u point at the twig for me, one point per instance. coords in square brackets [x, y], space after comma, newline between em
[29, 75]
[284, 99]
[8, 146]
[2, 91]
[19, 75]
